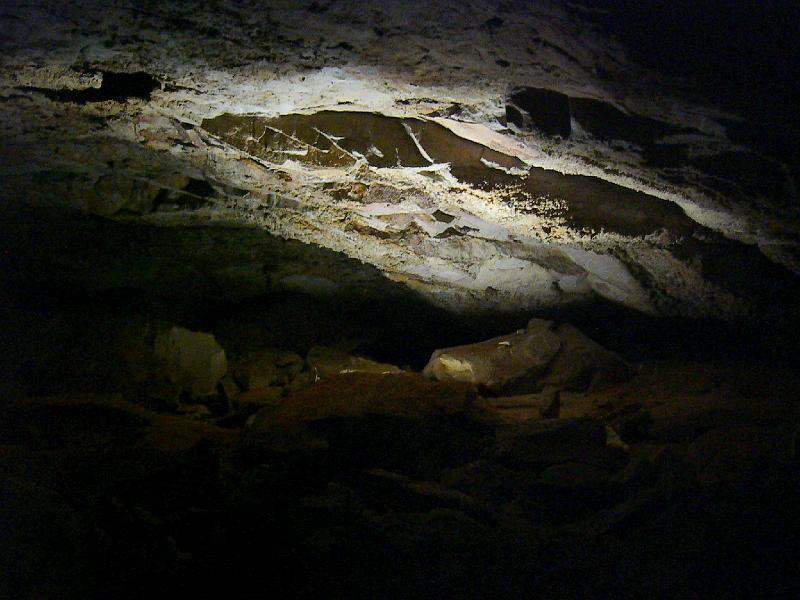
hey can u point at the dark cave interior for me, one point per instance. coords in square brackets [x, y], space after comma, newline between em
[336, 300]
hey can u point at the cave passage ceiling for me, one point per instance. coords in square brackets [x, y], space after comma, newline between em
[514, 160]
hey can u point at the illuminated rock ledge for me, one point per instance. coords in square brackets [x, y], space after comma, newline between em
[480, 171]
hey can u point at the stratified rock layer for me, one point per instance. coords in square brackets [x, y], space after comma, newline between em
[522, 165]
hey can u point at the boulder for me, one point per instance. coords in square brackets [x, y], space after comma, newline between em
[262, 378]
[296, 422]
[507, 363]
[266, 368]
[324, 362]
[531, 359]
[544, 405]
[550, 442]
[583, 363]
[192, 360]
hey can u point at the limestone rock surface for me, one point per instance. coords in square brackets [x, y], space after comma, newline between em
[509, 361]
[267, 367]
[526, 164]
[531, 359]
[357, 397]
[193, 360]
[324, 361]
[583, 362]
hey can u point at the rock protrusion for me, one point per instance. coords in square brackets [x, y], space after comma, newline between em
[509, 363]
[530, 360]
[192, 360]
[544, 405]
[582, 363]
[324, 361]
[352, 398]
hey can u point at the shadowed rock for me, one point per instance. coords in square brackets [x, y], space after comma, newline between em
[324, 362]
[267, 367]
[544, 405]
[115, 86]
[193, 360]
[406, 397]
[531, 359]
[558, 441]
[509, 362]
[583, 363]
[537, 108]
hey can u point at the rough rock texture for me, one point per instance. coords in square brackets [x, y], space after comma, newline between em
[267, 367]
[330, 188]
[324, 362]
[544, 405]
[193, 360]
[539, 356]
[382, 135]
[299, 421]
[419, 481]
[583, 362]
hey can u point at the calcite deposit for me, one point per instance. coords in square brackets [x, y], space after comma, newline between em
[489, 159]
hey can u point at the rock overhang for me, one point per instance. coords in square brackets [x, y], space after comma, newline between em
[469, 210]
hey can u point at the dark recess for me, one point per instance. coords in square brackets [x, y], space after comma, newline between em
[172, 274]
[742, 56]
[541, 109]
[115, 86]
[607, 122]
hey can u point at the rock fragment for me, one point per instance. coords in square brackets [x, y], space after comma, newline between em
[531, 359]
[193, 360]
[507, 363]
[324, 362]
[583, 363]
[544, 405]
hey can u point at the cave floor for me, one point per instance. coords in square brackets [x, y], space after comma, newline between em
[697, 496]
[339, 299]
